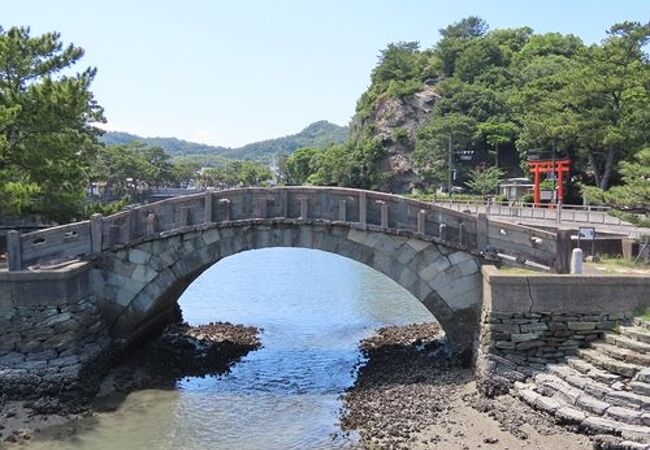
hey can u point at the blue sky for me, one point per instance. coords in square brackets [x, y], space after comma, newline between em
[234, 72]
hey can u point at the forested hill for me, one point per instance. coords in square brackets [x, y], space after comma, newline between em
[317, 134]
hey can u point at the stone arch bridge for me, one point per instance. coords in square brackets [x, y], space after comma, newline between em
[74, 290]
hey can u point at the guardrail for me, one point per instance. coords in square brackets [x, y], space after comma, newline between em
[597, 215]
[354, 207]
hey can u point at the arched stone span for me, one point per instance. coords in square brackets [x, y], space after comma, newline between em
[141, 283]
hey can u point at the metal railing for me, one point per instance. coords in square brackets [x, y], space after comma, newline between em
[597, 215]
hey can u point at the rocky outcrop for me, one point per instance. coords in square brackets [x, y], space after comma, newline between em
[395, 121]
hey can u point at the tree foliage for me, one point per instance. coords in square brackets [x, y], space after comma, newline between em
[47, 137]
[484, 179]
[631, 199]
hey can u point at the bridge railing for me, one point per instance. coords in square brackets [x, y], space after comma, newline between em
[359, 208]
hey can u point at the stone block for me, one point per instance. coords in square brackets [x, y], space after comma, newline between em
[418, 245]
[138, 256]
[533, 327]
[582, 326]
[523, 337]
[143, 274]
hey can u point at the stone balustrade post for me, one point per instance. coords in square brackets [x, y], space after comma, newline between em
[207, 207]
[225, 205]
[130, 225]
[259, 208]
[461, 235]
[422, 221]
[151, 223]
[96, 233]
[343, 210]
[383, 213]
[442, 232]
[482, 232]
[304, 212]
[363, 208]
[186, 216]
[14, 251]
[562, 251]
[284, 203]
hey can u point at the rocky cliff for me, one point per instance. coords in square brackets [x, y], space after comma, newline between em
[395, 121]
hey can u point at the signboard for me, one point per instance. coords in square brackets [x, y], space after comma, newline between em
[465, 155]
[546, 195]
[586, 233]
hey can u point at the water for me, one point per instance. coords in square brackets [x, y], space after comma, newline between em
[313, 307]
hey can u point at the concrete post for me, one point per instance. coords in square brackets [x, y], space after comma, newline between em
[96, 233]
[383, 215]
[442, 232]
[304, 212]
[343, 210]
[151, 223]
[225, 204]
[562, 251]
[207, 207]
[576, 261]
[422, 221]
[363, 208]
[14, 251]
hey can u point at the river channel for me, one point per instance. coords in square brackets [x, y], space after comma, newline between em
[313, 309]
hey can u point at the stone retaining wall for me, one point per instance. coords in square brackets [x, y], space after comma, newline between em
[528, 320]
[51, 329]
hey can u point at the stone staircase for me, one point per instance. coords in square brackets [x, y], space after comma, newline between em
[603, 389]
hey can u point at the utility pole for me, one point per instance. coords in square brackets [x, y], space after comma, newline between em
[449, 168]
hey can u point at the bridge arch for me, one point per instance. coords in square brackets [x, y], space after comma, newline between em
[139, 285]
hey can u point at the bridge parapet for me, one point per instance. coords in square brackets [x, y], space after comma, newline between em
[358, 208]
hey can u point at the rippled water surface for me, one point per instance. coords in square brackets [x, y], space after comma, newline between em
[313, 307]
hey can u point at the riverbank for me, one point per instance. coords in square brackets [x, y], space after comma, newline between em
[180, 351]
[410, 395]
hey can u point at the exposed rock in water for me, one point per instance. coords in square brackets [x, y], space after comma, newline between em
[182, 351]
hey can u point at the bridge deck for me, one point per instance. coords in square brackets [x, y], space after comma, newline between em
[356, 208]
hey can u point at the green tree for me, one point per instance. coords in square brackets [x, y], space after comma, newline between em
[432, 144]
[47, 137]
[455, 39]
[296, 168]
[631, 200]
[484, 179]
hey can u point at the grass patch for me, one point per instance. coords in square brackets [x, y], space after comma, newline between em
[644, 314]
[621, 262]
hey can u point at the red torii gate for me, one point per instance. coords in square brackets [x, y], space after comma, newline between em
[546, 166]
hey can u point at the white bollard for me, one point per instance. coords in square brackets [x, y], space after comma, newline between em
[576, 261]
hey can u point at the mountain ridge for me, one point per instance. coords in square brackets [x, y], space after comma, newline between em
[316, 134]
